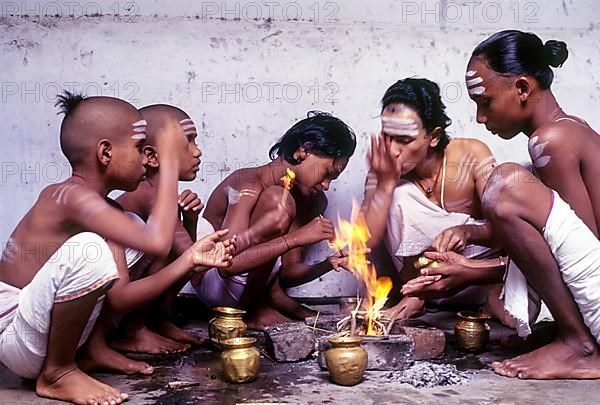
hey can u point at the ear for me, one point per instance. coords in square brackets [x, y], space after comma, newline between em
[524, 86]
[435, 135]
[151, 156]
[300, 154]
[104, 152]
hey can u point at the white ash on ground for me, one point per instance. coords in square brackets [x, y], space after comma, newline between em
[424, 374]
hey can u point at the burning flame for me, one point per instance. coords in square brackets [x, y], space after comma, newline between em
[287, 182]
[354, 235]
[289, 179]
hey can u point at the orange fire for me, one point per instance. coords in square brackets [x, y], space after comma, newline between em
[354, 235]
[289, 179]
[287, 182]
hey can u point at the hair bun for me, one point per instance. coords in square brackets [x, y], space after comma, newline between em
[556, 52]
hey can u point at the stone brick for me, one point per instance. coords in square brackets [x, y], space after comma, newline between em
[290, 342]
[430, 342]
[327, 322]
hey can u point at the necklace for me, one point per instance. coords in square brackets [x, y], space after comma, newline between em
[429, 190]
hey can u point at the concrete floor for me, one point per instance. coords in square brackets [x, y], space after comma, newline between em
[305, 383]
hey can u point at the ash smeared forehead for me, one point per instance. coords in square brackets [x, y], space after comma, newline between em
[474, 81]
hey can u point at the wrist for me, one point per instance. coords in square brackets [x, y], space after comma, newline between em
[188, 258]
[388, 185]
[291, 240]
[468, 231]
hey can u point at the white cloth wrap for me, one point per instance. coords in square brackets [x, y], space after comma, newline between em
[413, 224]
[577, 252]
[214, 290]
[132, 256]
[83, 264]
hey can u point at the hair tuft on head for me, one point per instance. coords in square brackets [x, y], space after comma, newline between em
[513, 52]
[68, 102]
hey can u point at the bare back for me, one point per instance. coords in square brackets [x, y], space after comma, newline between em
[565, 155]
[40, 233]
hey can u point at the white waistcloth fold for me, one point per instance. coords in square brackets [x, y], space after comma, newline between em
[82, 265]
[577, 252]
[413, 224]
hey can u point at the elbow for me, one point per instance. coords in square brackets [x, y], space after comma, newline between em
[160, 247]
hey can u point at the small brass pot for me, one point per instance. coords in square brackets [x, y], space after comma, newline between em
[346, 360]
[471, 331]
[226, 324]
[240, 359]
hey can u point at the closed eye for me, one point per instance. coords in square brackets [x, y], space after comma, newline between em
[404, 140]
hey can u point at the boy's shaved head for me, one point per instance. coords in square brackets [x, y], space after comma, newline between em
[88, 120]
[156, 115]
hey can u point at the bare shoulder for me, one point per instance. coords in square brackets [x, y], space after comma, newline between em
[459, 148]
[472, 145]
[554, 140]
[245, 178]
[567, 133]
[68, 194]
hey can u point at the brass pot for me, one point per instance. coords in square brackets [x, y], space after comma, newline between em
[226, 324]
[346, 360]
[471, 331]
[240, 359]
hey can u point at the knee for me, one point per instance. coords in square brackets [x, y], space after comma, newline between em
[274, 204]
[504, 191]
[88, 256]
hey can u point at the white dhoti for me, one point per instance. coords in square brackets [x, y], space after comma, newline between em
[215, 290]
[413, 224]
[83, 264]
[577, 253]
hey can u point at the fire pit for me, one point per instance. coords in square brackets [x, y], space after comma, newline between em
[387, 348]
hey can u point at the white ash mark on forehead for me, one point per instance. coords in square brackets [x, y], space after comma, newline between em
[477, 90]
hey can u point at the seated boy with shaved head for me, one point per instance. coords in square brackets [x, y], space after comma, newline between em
[162, 336]
[57, 265]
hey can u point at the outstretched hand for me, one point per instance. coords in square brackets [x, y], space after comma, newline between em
[387, 167]
[210, 251]
[444, 281]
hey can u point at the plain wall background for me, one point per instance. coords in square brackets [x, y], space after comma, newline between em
[246, 71]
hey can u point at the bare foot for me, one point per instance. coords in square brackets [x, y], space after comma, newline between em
[73, 385]
[495, 307]
[99, 357]
[143, 340]
[286, 305]
[265, 316]
[559, 359]
[167, 329]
